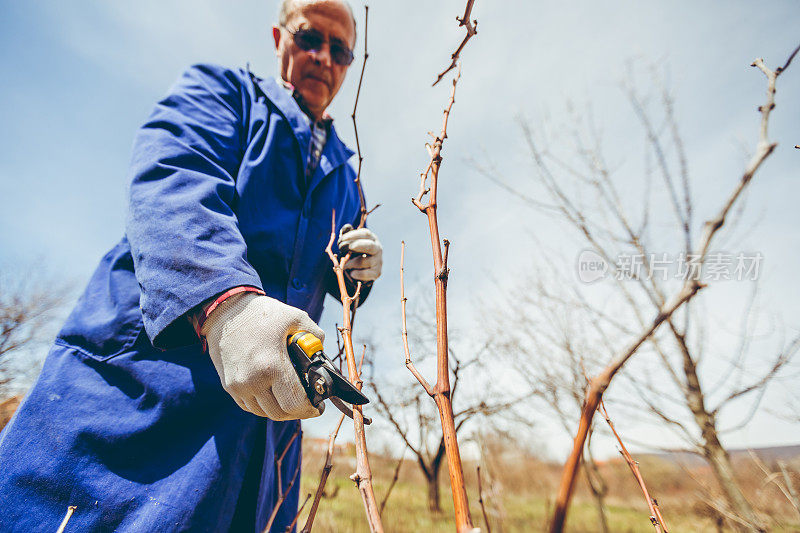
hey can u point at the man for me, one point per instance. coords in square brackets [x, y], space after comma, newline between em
[168, 394]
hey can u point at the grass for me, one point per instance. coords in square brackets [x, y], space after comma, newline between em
[526, 486]
[407, 510]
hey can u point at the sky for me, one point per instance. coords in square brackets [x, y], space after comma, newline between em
[79, 78]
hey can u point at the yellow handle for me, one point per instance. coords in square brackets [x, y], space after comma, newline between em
[309, 343]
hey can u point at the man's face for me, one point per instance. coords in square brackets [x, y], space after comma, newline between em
[314, 73]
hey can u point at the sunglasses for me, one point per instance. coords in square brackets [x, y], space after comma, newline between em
[311, 40]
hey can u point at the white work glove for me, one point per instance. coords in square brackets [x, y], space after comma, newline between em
[367, 259]
[246, 338]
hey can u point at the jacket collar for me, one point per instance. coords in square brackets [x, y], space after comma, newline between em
[335, 152]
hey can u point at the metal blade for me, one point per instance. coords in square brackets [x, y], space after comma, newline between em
[346, 390]
[346, 409]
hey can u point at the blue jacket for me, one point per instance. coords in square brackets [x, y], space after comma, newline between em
[128, 421]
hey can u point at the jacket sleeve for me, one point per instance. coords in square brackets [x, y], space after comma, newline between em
[181, 224]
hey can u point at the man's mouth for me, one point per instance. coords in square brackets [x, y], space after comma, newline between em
[320, 78]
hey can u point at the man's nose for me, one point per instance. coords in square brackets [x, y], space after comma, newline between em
[323, 55]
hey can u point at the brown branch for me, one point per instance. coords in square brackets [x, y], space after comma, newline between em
[435, 153]
[404, 331]
[594, 393]
[724, 512]
[326, 469]
[323, 478]
[441, 391]
[395, 476]
[788, 61]
[772, 477]
[480, 500]
[471, 27]
[283, 493]
[655, 513]
[296, 516]
[359, 383]
[600, 383]
[782, 359]
[363, 474]
[400, 431]
[444, 272]
[364, 213]
[792, 496]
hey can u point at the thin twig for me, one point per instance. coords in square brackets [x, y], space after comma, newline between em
[404, 331]
[471, 27]
[655, 513]
[772, 477]
[323, 478]
[363, 211]
[281, 492]
[480, 500]
[435, 153]
[296, 516]
[395, 476]
[792, 496]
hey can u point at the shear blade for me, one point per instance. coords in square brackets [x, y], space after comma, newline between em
[345, 390]
[346, 409]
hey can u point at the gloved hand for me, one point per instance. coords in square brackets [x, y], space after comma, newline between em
[246, 336]
[367, 259]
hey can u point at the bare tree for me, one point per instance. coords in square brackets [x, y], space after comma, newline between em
[28, 308]
[549, 355]
[416, 421]
[629, 218]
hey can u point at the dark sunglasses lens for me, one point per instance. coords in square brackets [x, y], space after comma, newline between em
[341, 54]
[308, 40]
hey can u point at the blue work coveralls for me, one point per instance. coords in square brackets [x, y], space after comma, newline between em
[128, 421]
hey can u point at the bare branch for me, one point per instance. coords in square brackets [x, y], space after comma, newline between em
[395, 475]
[281, 492]
[363, 475]
[788, 490]
[759, 384]
[655, 513]
[441, 392]
[480, 500]
[404, 331]
[290, 527]
[471, 27]
[387, 411]
[364, 212]
[435, 153]
[323, 478]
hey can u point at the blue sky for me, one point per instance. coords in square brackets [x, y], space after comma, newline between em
[79, 77]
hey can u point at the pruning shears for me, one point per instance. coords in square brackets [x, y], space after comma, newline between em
[320, 379]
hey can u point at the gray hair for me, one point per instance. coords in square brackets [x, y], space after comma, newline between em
[290, 7]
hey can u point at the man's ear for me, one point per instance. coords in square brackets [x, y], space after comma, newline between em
[276, 35]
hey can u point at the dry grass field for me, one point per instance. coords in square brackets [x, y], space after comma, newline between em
[518, 496]
[523, 488]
